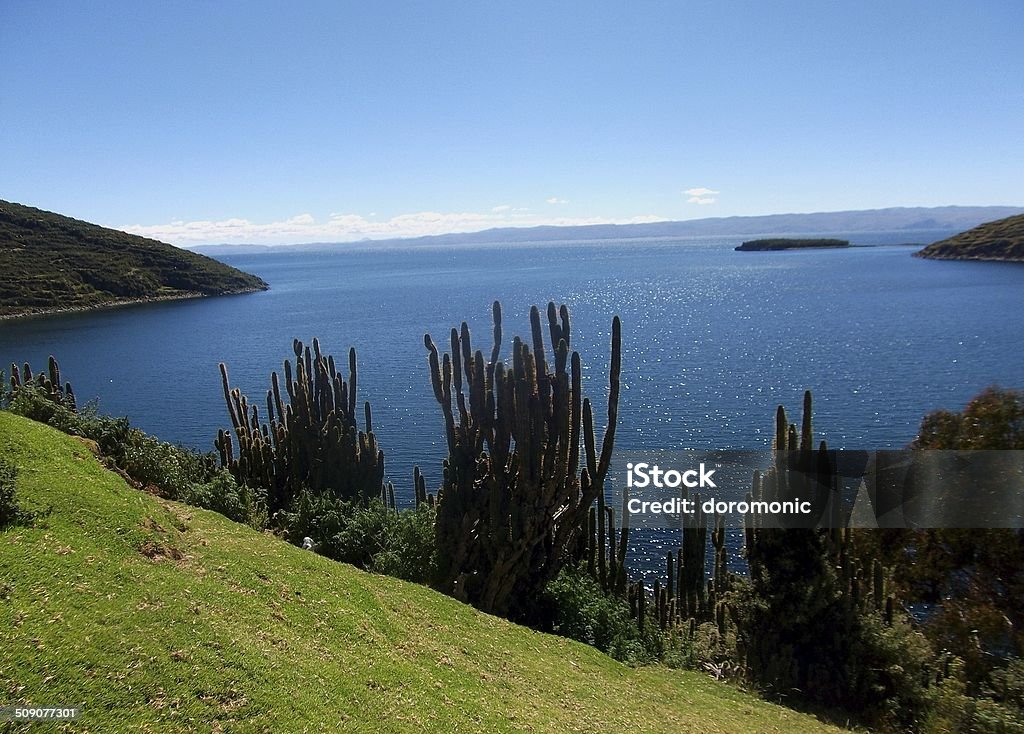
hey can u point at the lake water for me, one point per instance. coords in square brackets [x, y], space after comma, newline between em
[713, 340]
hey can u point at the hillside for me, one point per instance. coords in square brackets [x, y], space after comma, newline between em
[49, 262]
[1001, 240]
[155, 616]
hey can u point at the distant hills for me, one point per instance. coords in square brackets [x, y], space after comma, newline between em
[49, 263]
[1002, 240]
[941, 219]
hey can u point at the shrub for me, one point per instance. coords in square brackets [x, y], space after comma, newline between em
[375, 537]
[410, 553]
[173, 469]
[222, 494]
[953, 711]
[889, 672]
[577, 607]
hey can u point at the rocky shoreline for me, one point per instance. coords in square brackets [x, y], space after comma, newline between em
[119, 303]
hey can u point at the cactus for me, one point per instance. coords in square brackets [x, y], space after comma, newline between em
[310, 441]
[807, 559]
[48, 383]
[692, 561]
[641, 615]
[419, 484]
[514, 501]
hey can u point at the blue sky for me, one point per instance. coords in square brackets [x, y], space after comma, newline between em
[274, 122]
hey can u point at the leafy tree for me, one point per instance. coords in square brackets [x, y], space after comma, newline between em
[971, 580]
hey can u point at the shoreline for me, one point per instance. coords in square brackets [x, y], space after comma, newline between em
[121, 303]
[962, 258]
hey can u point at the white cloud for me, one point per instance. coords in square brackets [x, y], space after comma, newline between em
[701, 200]
[501, 208]
[701, 192]
[556, 200]
[342, 227]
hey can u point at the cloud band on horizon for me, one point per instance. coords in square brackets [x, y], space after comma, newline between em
[338, 227]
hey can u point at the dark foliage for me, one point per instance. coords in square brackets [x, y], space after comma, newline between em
[782, 243]
[972, 580]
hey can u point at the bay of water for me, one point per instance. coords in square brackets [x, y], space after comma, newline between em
[713, 340]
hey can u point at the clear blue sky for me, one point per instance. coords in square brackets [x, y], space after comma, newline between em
[249, 121]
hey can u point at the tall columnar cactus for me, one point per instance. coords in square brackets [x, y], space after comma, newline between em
[604, 547]
[311, 440]
[809, 586]
[692, 561]
[515, 500]
[49, 383]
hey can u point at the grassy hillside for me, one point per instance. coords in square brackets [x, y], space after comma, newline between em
[156, 616]
[999, 240]
[50, 262]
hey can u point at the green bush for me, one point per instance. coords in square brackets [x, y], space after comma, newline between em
[410, 553]
[222, 494]
[172, 469]
[889, 670]
[375, 537]
[705, 648]
[577, 607]
[954, 712]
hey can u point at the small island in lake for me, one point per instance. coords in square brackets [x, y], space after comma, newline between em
[999, 241]
[786, 243]
[51, 263]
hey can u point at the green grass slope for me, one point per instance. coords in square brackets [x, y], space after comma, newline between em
[1001, 240]
[51, 262]
[155, 616]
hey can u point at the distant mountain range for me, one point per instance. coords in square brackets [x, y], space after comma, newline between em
[950, 219]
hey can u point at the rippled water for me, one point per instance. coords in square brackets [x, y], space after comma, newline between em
[713, 339]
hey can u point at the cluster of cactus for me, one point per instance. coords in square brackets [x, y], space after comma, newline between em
[798, 471]
[688, 597]
[311, 441]
[603, 547]
[419, 485]
[49, 383]
[864, 583]
[514, 499]
[810, 586]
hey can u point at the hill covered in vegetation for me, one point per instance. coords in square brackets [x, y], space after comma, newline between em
[1001, 240]
[157, 616]
[789, 243]
[50, 262]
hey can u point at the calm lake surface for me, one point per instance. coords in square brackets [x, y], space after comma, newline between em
[713, 340]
